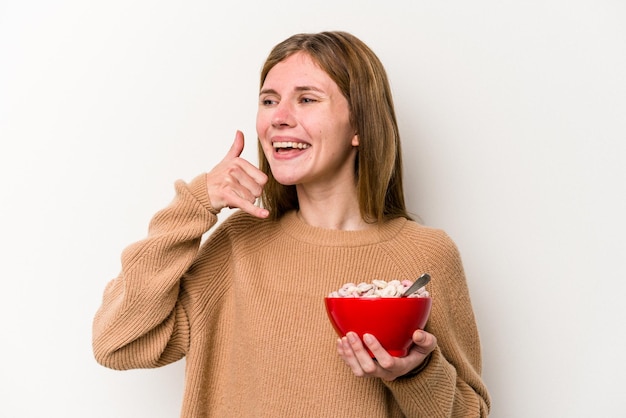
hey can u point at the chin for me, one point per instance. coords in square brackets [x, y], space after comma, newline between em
[286, 177]
[285, 181]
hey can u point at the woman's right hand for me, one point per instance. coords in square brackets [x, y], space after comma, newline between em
[235, 183]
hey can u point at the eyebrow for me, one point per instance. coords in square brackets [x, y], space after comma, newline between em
[298, 88]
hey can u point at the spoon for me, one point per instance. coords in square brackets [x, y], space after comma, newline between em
[419, 283]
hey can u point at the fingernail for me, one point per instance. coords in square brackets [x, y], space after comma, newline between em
[351, 337]
[368, 338]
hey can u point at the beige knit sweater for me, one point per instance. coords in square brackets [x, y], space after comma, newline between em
[246, 310]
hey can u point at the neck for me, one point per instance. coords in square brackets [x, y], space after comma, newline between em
[331, 209]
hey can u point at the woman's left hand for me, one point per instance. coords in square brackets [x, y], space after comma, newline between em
[387, 367]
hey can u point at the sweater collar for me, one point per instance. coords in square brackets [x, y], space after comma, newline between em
[304, 232]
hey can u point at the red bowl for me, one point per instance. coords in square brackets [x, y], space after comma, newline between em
[391, 320]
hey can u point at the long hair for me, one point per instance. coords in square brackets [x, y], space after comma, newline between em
[362, 79]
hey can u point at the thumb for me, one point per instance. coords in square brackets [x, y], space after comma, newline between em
[237, 147]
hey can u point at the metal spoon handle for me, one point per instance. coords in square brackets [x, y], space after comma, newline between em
[419, 283]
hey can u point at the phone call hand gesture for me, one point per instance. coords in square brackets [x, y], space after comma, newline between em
[236, 183]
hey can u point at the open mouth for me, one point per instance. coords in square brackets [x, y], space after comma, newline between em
[289, 145]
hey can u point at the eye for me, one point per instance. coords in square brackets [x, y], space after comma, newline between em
[307, 100]
[268, 102]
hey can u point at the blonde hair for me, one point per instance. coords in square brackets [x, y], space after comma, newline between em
[362, 79]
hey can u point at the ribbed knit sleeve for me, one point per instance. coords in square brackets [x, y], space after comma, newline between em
[141, 322]
[451, 384]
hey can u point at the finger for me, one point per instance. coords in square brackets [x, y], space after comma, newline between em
[246, 187]
[384, 359]
[339, 347]
[364, 358]
[252, 209]
[259, 178]
[237, 147]
[237, 196]
[347, 355]
[250, 177]
[425, 342]
[239, 185]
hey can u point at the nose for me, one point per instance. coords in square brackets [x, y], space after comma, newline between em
[283, 115]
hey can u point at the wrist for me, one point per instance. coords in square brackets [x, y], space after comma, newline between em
[418, 368]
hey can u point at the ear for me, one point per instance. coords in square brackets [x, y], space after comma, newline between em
[355, 140]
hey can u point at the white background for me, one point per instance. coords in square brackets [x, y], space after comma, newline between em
[513, 120]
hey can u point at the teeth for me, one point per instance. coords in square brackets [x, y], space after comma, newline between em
[298, 145]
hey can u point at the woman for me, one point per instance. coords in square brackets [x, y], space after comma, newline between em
[246, 307]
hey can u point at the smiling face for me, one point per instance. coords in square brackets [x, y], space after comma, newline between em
[303, 125]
